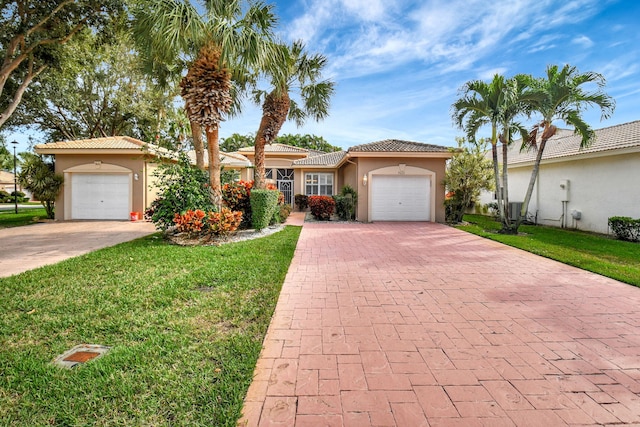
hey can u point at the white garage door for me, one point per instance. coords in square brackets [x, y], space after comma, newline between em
[400, 198]
[100, 196]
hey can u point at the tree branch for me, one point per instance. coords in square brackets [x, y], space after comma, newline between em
[4, 116]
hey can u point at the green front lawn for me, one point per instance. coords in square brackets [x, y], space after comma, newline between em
[23, 217]
[185, 325]
[588, 251]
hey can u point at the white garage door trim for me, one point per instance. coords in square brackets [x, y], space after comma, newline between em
[401, 193]
[98, 191]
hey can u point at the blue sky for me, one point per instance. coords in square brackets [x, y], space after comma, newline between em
[398, 64]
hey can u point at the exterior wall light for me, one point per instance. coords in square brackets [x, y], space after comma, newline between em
[364, 180]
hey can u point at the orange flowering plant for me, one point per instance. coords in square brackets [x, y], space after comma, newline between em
[189, 222]
[224, 222]
[216, 223]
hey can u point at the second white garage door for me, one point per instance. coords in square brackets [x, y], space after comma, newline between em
[100, 196]
[400, 198]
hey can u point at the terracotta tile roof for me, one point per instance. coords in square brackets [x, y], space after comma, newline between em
[228, 159]
[567, 144]
[276, 148]
[324, 159]
[107, 143]
[395, 146]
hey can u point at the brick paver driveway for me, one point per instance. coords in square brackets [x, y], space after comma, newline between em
[421, 324]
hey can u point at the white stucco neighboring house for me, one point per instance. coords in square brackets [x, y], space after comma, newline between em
[580, 188]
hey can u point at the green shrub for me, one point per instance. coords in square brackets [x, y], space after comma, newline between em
[282, 213]
[264, 204]
[322, 207]
[346, 203]
[625, 228]
[21, 196]
[301, 201]
[182, 187]
[344, 206]
[39, 178]
[4, 197]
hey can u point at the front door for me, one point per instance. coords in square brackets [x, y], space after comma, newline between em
[284, 181]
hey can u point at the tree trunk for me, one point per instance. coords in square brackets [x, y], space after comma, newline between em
[213, 150]
[274, 114]
[506, 225]
[259, 170]
[532, 182]
[496, 173]
[198, 144]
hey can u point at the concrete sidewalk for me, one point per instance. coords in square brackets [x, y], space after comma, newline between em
[419, 324]
[32, 246]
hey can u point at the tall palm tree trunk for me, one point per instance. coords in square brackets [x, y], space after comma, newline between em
[507, 228]
[259, 145]
[274, 114]
[213, 149]
[496, 173]
[198, 143]
[532, 183]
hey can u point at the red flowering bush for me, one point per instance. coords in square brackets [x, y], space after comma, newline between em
[235, 196]
[224, 222]
[322, 207]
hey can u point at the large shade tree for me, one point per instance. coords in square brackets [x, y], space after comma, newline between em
[32, 35]
[293, 72]
[562, 95]
[97, 91]
[221, 46]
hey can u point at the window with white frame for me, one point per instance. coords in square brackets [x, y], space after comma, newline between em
[318, 184]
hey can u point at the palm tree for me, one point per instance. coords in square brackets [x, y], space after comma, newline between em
[482, 104]
[230, 38]
[293, 70]
[561, 96]
[518, 100]
[497, 104]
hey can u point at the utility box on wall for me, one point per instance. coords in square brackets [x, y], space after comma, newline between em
[564, 190]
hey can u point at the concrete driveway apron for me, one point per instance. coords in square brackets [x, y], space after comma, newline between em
[418, 324]
[32, 246]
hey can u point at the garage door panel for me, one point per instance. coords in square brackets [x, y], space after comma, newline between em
[100, 196]
[400, 198]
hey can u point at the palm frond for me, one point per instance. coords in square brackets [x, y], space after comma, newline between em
[581, 128]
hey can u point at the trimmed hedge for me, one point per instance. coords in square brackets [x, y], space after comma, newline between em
[625, 228]
[264, 204]
[322, 207]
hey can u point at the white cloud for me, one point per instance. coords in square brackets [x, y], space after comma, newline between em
[367, 10]
[583, 41]
[618, 69]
